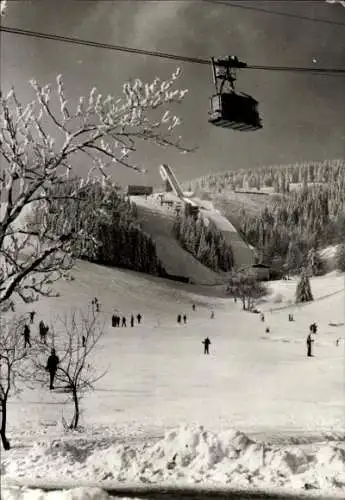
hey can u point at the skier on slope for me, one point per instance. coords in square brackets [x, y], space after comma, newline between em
[26, 335]
[207, 344]
[51, 367]
[139, 316]
[310, 341]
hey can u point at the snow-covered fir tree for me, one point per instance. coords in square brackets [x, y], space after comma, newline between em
[303, 289]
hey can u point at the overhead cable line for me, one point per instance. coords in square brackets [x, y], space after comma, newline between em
[164, 55]
[274, 12]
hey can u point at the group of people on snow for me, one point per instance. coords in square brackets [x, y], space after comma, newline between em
[117, 321]
[96, 306]
[53, 360]
[42, 329]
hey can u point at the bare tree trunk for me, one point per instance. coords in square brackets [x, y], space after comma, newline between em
[5, 442]
[76, 415]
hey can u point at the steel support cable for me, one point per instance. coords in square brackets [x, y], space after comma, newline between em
[164, 55]
[274, 12]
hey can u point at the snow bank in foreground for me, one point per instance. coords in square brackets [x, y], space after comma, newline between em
[184, 456]
[72, 494]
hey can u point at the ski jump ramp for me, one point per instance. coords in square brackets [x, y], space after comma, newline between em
[243, 254]
[168, 175]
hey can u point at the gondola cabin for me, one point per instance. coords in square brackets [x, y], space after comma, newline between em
[235, 111]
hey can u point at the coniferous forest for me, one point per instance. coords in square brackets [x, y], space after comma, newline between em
[109, 221]
[205, 243]
[292, 226]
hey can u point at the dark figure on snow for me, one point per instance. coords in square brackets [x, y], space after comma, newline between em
[262, 317]
[267, 330]
[95, 304]
[132, 320]
[43, 330]
[113, 320]
[185, 318]
[26, 334]
[235, 299]
[193, 307]
[313, 328]
[310, 341]
[32, 316]
[124, 321]
[83, 339]
[337, 342]
[51, 367]
[290, 317]
[139, 316]
[212, 314]
[179, 319]
[207, 344]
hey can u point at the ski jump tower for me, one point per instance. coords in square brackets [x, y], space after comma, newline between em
[170, 178]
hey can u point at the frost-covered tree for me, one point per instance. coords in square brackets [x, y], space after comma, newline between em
[13, 367]
[75, 339]
[303, 289]
[3, 6]
[245, 286]
[315, 264]
[340, 257]
[39, 142]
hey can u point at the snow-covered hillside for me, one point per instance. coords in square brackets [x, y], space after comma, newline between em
[158, 222]
[289, 409]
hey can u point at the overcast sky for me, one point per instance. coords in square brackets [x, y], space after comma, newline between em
[303, 115]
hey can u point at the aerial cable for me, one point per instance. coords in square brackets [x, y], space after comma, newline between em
[164, 55]
[274, 12]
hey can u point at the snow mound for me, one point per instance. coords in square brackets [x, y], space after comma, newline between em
[72, 494]
[188, 455]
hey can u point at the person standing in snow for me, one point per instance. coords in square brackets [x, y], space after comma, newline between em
[51, 367]
[207, 344]
[124, 321]
[179, 319]
[139, 316]
[212, 314]
[26, 335]
[43, 330]
[310, 341]
[32, 315]
[132, 320]
[185, 318]
[193, 307]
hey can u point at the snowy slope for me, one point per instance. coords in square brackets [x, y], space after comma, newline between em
[158, 379]
[158, 222]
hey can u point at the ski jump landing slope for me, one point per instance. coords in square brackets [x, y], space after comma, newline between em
[158, 223]
[243, 255]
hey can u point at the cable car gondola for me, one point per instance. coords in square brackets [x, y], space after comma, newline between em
[229, 109]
